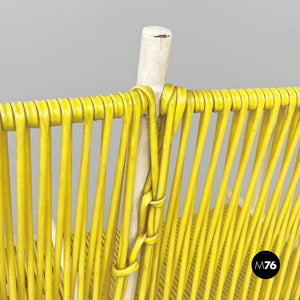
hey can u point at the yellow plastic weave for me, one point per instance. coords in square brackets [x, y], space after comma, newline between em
[205, 255]
[215, 249]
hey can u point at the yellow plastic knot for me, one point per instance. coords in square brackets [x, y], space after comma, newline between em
[150, 240]
[127, 270]
[158, 203]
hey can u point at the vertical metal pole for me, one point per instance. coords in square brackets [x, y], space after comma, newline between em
[152, 71]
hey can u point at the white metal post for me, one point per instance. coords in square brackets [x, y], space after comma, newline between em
[152, 71]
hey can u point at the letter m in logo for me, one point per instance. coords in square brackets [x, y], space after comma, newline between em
[259, 265]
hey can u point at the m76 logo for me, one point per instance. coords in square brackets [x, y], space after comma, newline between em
[265, 264]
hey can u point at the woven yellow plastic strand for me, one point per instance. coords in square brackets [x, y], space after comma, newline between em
[206, 255]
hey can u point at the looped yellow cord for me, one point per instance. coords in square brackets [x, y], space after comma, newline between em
[133, 263]
[118, 105]
[110, 239]
[136, 248]
[64, 209]
[154, 220]
[149, 96]
[166, 96]
[8, 122]
[44, 193]
[80, 219]
[150, 240]
[55, 112]
[121, 282]
[145, 201]
[236, 99]
[199, 102]
[95, 245]
[174, 110]
[19, 116]
[146, 99]
[158, 203]
[176, 186]
[253, 100]
[297, 91]
[98, 108]
[32, 117]
[126, 271]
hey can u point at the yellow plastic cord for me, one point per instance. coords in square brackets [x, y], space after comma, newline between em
[29, 219]
[62, 194]
[3, 294]
[81, 199]
[96, 231]
[67, 221]
[43, 194]
[10, 252]
[206, 255]
[19, 115]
